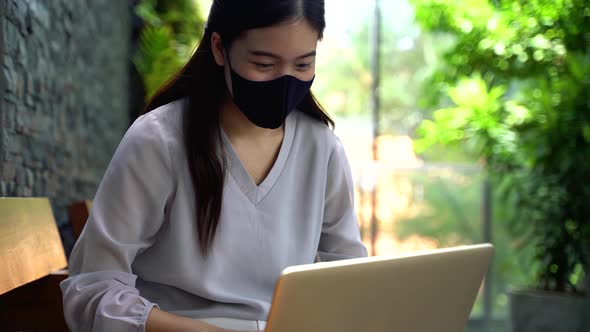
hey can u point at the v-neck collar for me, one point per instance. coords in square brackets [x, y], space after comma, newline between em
[239, 174]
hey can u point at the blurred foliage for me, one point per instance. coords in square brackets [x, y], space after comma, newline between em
[408, 58]
[450, 200]
[173, 29]
[514, 91]
[448, 204]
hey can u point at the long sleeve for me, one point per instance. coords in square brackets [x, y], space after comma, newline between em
[127, 212]
[340, 238]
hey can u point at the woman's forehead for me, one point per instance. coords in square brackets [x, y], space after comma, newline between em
[290, 38]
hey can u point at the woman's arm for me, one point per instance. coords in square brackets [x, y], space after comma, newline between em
[127, 212]
[161, 321]
[340, 238]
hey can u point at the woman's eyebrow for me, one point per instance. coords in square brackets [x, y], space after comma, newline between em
[272, 55]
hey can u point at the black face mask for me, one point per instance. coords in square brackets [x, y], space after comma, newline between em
[268, 103]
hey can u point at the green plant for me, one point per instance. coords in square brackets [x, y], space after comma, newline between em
[172, 30]
[517, 83]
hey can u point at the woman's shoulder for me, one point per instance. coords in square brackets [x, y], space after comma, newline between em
[310, 128]
[158, 129]
[168, 117]
[165, 120]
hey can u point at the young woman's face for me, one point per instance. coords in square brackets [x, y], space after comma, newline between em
[268, 53]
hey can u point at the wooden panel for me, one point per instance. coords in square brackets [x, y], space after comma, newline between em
[30, 246]
[78, 213]
[36, 306]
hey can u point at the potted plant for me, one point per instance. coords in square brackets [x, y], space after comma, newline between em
[517, 87]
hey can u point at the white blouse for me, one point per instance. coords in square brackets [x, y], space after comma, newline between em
[140, 247]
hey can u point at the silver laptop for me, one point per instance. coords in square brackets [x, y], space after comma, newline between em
[429, 291]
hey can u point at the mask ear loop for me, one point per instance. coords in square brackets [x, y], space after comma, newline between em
[226, 50]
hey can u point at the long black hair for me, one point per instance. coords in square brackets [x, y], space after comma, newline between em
[202, 82]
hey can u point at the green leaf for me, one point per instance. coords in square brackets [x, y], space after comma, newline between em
[517, 114]
[470, 92]
[586, 132]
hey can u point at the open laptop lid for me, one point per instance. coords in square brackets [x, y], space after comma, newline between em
[424, 291]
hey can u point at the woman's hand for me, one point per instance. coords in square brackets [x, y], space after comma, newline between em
[162, 321]
[159, 320]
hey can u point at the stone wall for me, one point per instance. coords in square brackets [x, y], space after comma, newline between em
[63, 97]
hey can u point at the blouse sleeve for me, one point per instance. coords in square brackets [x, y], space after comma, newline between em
[126, 214]
[340, 238]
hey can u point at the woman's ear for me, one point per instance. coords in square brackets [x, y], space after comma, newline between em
[217, 49]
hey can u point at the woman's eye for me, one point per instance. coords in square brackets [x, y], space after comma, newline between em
[263, 65]
[304, 66]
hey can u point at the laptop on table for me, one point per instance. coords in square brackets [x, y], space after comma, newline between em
[428, 291]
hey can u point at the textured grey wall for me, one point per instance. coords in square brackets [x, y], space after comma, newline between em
[2, 73]
[64, 101]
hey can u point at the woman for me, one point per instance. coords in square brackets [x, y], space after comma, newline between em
[231, 176]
